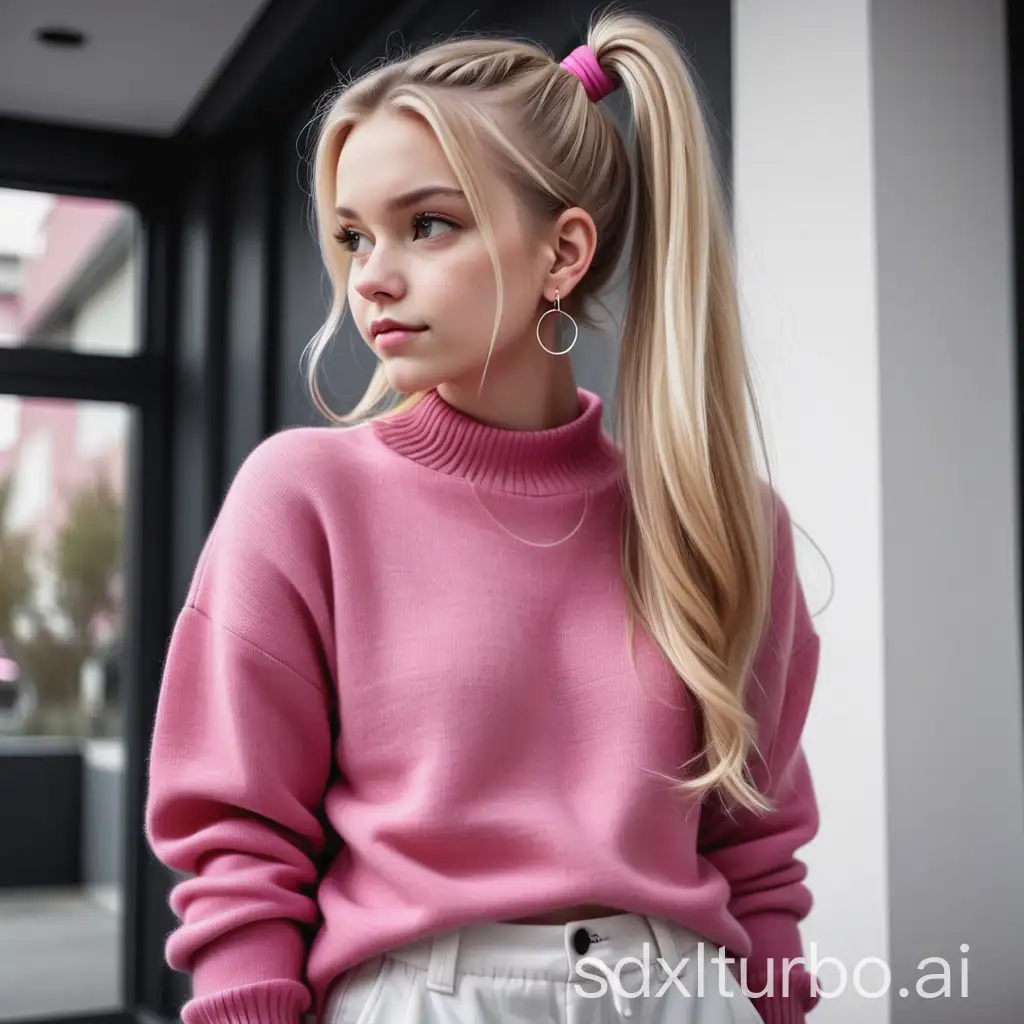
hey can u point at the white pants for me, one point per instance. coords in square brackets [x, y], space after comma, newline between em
[578, 973]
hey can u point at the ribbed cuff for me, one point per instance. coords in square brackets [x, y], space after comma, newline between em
[250, 975]
[266, 1002]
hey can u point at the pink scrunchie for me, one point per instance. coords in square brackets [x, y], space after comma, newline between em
[583, 64]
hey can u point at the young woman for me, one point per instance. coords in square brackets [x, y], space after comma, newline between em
[473, 714]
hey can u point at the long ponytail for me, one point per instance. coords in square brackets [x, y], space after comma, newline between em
[698, 550]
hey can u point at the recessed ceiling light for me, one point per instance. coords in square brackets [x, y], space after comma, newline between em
[65, 38]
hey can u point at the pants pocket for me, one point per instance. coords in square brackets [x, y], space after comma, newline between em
[358, 992]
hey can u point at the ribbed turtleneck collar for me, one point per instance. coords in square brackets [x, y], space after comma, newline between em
[574, 456]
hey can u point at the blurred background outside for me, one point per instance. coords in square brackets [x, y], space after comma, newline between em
[67, 280]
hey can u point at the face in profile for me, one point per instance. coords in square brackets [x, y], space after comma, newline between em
[421, 287]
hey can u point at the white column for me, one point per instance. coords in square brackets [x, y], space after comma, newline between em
[804, 209]
[873, 228]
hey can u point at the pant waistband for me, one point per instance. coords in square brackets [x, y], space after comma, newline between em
[548, 951]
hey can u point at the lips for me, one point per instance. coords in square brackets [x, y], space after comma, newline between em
[379, 327]
[395, 337]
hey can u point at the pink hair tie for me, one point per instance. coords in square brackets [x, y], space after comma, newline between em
[583, 64]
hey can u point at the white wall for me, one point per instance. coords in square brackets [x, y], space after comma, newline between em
[106, 323]
[873, 226]
[804, 203]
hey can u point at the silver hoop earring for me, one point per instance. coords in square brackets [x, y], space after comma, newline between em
[575, 327]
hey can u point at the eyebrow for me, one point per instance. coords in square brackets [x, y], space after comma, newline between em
[408, 199]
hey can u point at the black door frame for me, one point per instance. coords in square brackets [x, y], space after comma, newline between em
[120, 167]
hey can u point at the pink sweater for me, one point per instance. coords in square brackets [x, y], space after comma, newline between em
[365, 653]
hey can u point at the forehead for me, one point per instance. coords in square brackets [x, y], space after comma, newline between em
[387, 154]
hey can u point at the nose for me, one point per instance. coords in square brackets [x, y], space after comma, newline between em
[378, 277]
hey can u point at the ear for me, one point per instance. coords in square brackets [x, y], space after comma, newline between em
[572, 241]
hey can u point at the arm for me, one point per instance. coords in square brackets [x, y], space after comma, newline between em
[241, 754]
[756, 852]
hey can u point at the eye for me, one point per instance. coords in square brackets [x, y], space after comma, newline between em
[349, 239]
[425, 221]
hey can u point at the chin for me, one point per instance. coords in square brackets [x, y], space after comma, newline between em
[408, 375]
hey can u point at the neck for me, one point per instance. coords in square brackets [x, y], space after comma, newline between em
[533, 393]
[570, 456]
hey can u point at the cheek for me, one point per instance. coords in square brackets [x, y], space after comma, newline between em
[469, 268]
[469, 286]
[461, 287]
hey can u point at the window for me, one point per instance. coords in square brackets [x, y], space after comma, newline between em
[67, 273]
[68, 280]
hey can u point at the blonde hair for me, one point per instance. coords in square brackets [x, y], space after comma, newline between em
[698, 547]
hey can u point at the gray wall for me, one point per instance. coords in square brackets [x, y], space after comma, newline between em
[950, 498]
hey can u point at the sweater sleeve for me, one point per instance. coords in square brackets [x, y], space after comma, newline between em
[242, 751]
[756, 851]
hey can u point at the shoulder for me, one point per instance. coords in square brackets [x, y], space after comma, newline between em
[304, 472]
[266, 571]
[292, 458]
[282, 503]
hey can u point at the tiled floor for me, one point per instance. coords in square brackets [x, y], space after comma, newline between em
[59, 954]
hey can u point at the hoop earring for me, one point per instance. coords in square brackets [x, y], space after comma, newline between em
[575, 327]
